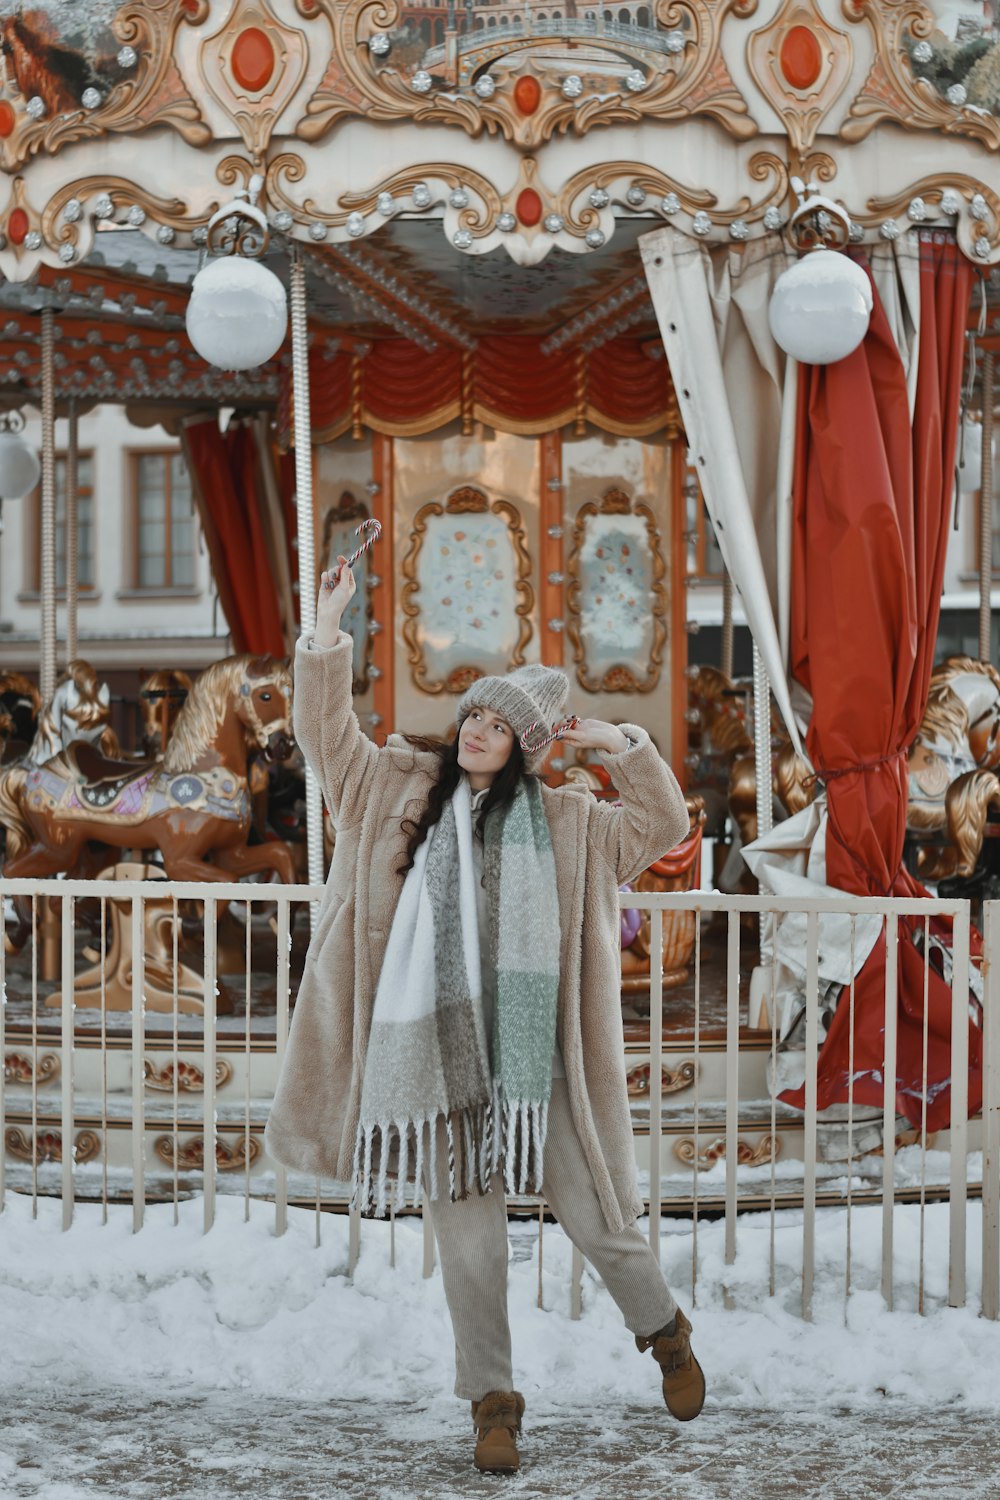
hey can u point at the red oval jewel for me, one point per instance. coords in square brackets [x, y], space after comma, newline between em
[7, 118]
[527, 94]
[17, 226]
[252, 59]
[800, 57]
[528, 207]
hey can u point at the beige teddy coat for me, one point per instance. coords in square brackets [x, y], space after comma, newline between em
[369, 791]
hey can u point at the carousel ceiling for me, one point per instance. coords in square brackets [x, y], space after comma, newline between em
[120, 333]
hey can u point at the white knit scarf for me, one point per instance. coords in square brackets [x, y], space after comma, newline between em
[428, 1057]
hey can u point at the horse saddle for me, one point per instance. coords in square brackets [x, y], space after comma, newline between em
[94, 767]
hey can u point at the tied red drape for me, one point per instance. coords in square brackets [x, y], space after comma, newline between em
[872, 502]
[225, 474]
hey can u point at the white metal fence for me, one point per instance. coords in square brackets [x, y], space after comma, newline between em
[80, 1080]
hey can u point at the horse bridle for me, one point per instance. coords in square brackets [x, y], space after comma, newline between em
[263, 732]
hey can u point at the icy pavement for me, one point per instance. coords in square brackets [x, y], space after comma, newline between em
[241, 1363]
[119, 1447]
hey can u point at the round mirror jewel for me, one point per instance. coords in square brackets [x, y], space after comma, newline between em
[72, 210]
[599, 198]
[462, 239]
[67, 253]
[421, 82]
[856, 232]
[386, 204]
[572, 86]
[595, 238]
[199, 236]
[90, 98]
[982, 247]
[35, 107]
[739, 229]
[553, 223]
[506, 222]
[127, 57]
[979, 208]
[923, 52]
[165, 234]
[380, 45]
[917, 210]
[458, 198]
[485, 86]
[136, 216]
[355, 225]
[670, 203]
[957, 95]
[103, 207]
[421, 195]
[889, 230]
[636, 195]
[318, 231]
[674, 41]
[635, 80]
[32, 240]
[283, 221]
[773, 218]
[951, 201]
[701, 223]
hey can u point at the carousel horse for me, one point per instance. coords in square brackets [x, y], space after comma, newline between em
[193, 805]
[161, 698]
[953, 768]
[80, 709]
[20, 707]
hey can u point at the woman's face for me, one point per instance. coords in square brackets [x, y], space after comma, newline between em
[484, 745]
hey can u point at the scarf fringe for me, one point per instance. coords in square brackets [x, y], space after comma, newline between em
[477, 1149]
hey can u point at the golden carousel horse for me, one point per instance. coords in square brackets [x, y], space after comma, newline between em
[953, 768]
[193, 805]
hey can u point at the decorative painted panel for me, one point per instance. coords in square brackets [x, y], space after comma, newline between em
[466, 597]
[616, 600]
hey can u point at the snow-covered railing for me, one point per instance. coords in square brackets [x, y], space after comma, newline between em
[156, 1084]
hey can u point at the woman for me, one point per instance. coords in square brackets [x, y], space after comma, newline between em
[458, 1020]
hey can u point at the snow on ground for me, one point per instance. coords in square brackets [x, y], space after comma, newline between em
[173, 1310]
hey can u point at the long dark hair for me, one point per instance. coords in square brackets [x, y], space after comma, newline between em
[500, 794]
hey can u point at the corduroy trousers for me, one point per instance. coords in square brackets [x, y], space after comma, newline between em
[472, 1247]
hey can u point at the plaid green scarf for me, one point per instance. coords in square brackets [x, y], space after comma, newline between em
[427, 1053]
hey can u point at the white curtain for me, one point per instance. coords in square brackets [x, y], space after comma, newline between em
[736, 391]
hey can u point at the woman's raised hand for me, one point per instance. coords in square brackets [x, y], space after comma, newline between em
[336, 590]
[595, 734]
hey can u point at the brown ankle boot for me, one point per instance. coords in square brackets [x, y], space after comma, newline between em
[683, 1377]
[497, 1419]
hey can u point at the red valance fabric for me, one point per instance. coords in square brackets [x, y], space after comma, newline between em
[872, 498]
[397, 387]
[224, 470]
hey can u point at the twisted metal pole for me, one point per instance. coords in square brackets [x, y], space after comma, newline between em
[727, 625]
[762, 769]
[306, 531]
[986, 514]
[72, 547]
[47, 664]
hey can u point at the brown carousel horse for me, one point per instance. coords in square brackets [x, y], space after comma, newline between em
[193, 805]
[161, 698]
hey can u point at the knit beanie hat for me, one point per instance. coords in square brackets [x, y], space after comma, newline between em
[529, 695]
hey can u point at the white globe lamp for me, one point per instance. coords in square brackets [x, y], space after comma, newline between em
[237, 315]
[820, 307]
[970, 469]
[20, 468]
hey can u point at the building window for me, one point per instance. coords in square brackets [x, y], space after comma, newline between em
[163, 523]
[84, 525]
[704, 560]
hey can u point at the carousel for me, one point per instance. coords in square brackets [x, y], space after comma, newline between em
[500, 295]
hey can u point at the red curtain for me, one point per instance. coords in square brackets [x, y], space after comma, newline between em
[225, 473]
[397, 386]
[872, 500]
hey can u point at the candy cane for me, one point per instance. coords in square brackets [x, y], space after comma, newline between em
[556, 734]
[370, 525]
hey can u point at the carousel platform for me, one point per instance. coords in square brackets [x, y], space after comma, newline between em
[174, 1126]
